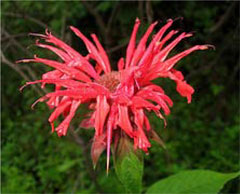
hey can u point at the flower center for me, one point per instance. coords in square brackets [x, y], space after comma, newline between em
[110, 80]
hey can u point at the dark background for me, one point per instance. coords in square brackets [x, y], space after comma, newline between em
[200, 135]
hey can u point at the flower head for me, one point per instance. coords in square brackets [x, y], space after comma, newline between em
[118, 100]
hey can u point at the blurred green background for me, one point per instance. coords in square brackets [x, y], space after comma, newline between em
[200, 135]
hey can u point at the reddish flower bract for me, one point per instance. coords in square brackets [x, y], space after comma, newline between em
[118, 100]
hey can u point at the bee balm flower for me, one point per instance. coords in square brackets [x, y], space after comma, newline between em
[118, 100]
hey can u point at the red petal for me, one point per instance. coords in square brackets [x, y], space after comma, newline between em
[92, 50]
[101, 90]
[163, 67]
[62, 128]
[147, 124]
[55, 74]
[102, 109]
[64, 56]
[79, 60]
[83, 64]
[54, 101]
[131, 45]
[160, 44]
[59, 110]
[121, 64]
[168, 64]
[71, 71]
[167, 99]
[142, 45]
[121, 99]
[177, 74]
[182, 87]
[101, 51]
[88, 123]
[52, 39]
[164, 53]
[160, 33]
[157, 97]
[138, 102]
[148, 53]
[139, 118]
[81, 93]
[64, 83]
[99, 69]
[154, 87]
[124, 121]
[110, 125]
[109, 139]
[185, 90]
[98, 146]
[140, 137]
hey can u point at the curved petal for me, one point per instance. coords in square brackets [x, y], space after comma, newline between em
[62, 128]
[92, 50]
[102, 109]
[131, 45]
[123, 120]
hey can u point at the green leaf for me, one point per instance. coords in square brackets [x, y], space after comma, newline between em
[129, 171]
[128, 164]
[192, 181]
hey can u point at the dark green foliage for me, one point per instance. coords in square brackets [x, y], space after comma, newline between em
[200, 135]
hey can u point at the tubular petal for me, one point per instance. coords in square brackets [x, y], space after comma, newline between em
[102, 110]
[161, 43]
[124, 121]
[110, 125]
[140, 137]
[153, 87]
[72, 72]
[159, 46]
[147, 124]
[55, 74]
[83, 93]
[142, 45]
[138, 102]
[85, 66]
[101, 51]
[121, 64]
[92, 50]
[62, 128]
[131, 45]
[157, 37]
[101, 90]
[159, 99]
[164, 53]
[168, 64]
[52, 39]
[64, 56]
[59, 110]
[65, 83]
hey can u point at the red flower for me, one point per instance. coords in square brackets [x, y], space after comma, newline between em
[119, 99]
